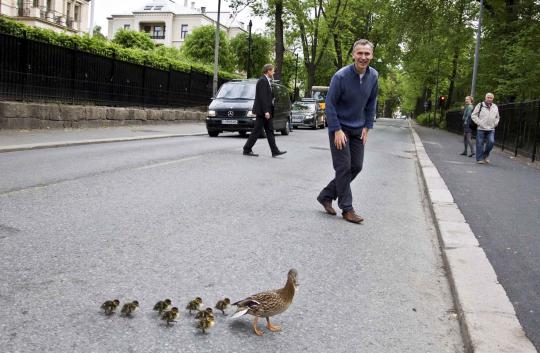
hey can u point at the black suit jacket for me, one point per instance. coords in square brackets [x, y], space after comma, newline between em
[263, 97]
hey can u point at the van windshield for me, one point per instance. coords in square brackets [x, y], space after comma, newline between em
[303, 106]
[237, 91]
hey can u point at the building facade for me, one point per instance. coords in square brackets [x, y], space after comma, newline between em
[168, 23]
[58, 15]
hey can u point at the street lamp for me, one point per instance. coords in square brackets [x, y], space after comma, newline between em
[216, 52]
[295, 76]
[248, 71]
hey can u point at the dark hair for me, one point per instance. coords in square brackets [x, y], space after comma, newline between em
[363, 42]
[267, 68]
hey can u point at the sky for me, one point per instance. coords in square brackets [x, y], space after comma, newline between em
[105, 8]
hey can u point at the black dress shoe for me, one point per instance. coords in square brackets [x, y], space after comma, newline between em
[250, 153]
[278, 153]
[463, 154]
[472, 154]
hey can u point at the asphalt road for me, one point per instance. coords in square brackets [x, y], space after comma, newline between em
[501, 202]
[191, 216]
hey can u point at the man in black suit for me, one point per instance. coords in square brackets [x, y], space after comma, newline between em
[263, 108]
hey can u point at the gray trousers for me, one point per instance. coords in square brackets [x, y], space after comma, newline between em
[347, 163]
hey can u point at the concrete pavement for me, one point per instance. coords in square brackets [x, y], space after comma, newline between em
[487, 325]
[20, 140]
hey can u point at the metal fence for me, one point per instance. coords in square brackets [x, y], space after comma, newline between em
[32, 70]
[518, 130]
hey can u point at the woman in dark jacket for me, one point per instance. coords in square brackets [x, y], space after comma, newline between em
[467, 121]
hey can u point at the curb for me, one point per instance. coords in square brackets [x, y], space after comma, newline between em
[487, 318]
[89, 142]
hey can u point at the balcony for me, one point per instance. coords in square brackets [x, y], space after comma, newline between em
[154, 30]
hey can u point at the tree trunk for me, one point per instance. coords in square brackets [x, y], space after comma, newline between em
[280, 48]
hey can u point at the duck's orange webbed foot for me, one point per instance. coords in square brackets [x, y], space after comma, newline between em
[273, 328]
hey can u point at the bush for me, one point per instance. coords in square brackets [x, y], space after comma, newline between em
[98, 46]
[423, 119]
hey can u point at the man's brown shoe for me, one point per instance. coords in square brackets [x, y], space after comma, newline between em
[351, 216]
[327, 204]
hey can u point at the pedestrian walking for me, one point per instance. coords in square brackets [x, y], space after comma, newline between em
[467, 130]
[263, 108]
[350, 111]
[486, 116]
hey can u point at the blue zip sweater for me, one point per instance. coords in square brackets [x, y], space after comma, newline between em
[351, 102]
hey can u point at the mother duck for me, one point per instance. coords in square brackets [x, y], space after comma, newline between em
[269, 303]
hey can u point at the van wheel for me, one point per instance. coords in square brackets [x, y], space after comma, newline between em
[213, 133]
[242, 133]
[287, 128]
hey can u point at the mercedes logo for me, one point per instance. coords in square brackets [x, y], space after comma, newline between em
[230, 113]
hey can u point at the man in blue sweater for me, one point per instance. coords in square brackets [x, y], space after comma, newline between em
[350, 109]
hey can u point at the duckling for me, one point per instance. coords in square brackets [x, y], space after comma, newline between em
[130, 308]
[110, 306]
[170, 315]
[195, 304]
[162, 305]
[270, 303]
[223, 305]
[206, 323]
[204, 313]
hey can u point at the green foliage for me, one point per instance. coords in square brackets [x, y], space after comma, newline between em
[199, 46]
[134, 40]
[158, 58]
[261, 48]
[424, 119]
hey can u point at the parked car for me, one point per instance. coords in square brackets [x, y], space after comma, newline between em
[230, 109]
[307, 113]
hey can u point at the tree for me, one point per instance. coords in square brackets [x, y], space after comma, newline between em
[96, 33]
[133, 39]
[199, 46]
[261, 48]
[313, 21]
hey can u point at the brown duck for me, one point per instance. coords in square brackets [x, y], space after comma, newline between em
[270, 303]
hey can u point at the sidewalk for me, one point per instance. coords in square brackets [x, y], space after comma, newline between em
[491, 249]
[19, 140]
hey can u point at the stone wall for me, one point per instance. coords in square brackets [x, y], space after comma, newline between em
[17, 115]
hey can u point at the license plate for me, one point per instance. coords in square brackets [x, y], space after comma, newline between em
[297, 120]
[229, 121]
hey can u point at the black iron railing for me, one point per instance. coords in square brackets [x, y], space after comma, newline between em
[32, 70]
[518, 130]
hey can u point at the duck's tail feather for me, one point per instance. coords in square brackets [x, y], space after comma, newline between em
[241, 311]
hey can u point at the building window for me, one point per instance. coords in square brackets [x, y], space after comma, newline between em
[148, 8]
[158, 32]
[147, 29]
[127, 27]
[157, 8]
[35, 3]
[183, 32]
[77, 13]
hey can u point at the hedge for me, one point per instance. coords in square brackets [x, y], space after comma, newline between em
[105, 48]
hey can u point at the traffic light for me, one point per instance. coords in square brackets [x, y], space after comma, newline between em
[442, 101]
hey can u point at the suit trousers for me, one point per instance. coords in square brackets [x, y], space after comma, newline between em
[260, 123]
[347, 164]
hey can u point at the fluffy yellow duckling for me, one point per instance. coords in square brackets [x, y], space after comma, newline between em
[270, 303]
[223, 305]
[204, 313]
[163, 305]
[110, 306]
[206, 323]
[195, 304]
[130, 308]
[171, 315]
